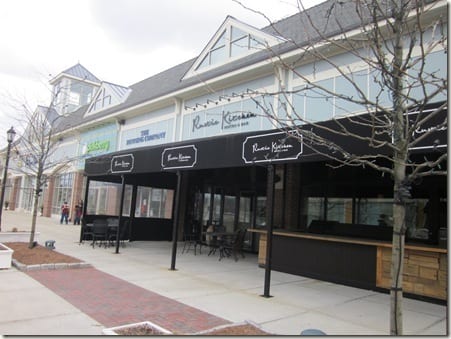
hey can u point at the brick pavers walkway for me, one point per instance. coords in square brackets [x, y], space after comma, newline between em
[112, 301]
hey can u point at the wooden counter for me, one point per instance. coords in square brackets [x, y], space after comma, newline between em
[425, 267]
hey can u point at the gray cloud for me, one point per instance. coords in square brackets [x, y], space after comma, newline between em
[145, 25]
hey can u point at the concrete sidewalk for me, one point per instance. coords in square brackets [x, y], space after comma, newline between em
[226, 289]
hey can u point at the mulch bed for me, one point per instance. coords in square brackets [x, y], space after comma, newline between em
[138, 330]
[244, 329]
[38, 254]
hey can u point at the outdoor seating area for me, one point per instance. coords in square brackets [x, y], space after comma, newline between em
[218, 240]
[191, 242]
[104, 232]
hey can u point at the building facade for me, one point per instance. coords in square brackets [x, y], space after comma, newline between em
[212, 136]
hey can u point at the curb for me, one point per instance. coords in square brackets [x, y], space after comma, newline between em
[57, 266]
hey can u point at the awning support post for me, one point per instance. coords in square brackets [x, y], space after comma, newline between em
[121, 208]
[269, 230]
[85, 204]
[176, 220]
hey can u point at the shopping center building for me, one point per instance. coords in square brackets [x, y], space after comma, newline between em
[214, 141]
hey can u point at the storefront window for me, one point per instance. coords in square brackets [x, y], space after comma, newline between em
[153, 203]
[375, 211]
[315, 209]
[244, 218]
[105, 198]
[62, 191]
[340, 210]
[27, 193]
[206, 211]
[126, 209]
[260, 217]
[229, 213]
[359, 203]
[217, 208]
[157, 202]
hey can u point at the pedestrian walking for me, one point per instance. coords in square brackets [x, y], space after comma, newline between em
[64, 212]
[77, 213]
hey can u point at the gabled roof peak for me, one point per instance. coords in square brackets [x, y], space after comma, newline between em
[108, 95]
[233, 40]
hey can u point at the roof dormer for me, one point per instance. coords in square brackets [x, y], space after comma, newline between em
[107, 96]
[232, 41]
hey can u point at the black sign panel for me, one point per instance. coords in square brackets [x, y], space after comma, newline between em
[179, 157]
[122, 163]
[272, 147]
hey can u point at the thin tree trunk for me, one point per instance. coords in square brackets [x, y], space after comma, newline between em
[401, 191]
[37, 190]
[397, 266]
[33, 220]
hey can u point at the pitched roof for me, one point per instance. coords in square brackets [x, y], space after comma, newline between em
[330, 17]
[171, 80]
[80, 72]
[294, 29]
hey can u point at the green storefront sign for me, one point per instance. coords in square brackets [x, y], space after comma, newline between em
[98, 146]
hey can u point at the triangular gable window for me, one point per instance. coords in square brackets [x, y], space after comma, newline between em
[108, 95]
[102, 99]
[232, 41]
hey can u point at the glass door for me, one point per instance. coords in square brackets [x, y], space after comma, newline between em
[229, 213]
[246, 216]
[213, 206]
[218, 206]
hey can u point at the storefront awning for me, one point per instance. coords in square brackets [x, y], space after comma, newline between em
[255, 148]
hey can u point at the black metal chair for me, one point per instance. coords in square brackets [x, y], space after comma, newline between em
[99, 232]
[112, 222]
[123, 234]
[211, 238]
[86, 232]
[192, 240]
[234, 246]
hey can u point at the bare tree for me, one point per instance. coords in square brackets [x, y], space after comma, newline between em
[36, 151]
[392, 96]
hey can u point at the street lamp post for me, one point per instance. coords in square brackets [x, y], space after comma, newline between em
[9, 137]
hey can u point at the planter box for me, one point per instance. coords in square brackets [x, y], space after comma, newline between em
[154, 329]
[17, 236]
[6, 255]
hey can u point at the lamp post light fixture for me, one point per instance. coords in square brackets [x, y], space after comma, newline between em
[10, 134]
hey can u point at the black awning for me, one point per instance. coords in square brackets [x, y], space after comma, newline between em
[247, 149]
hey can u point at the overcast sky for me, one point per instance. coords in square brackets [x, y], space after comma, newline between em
[120, 41]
